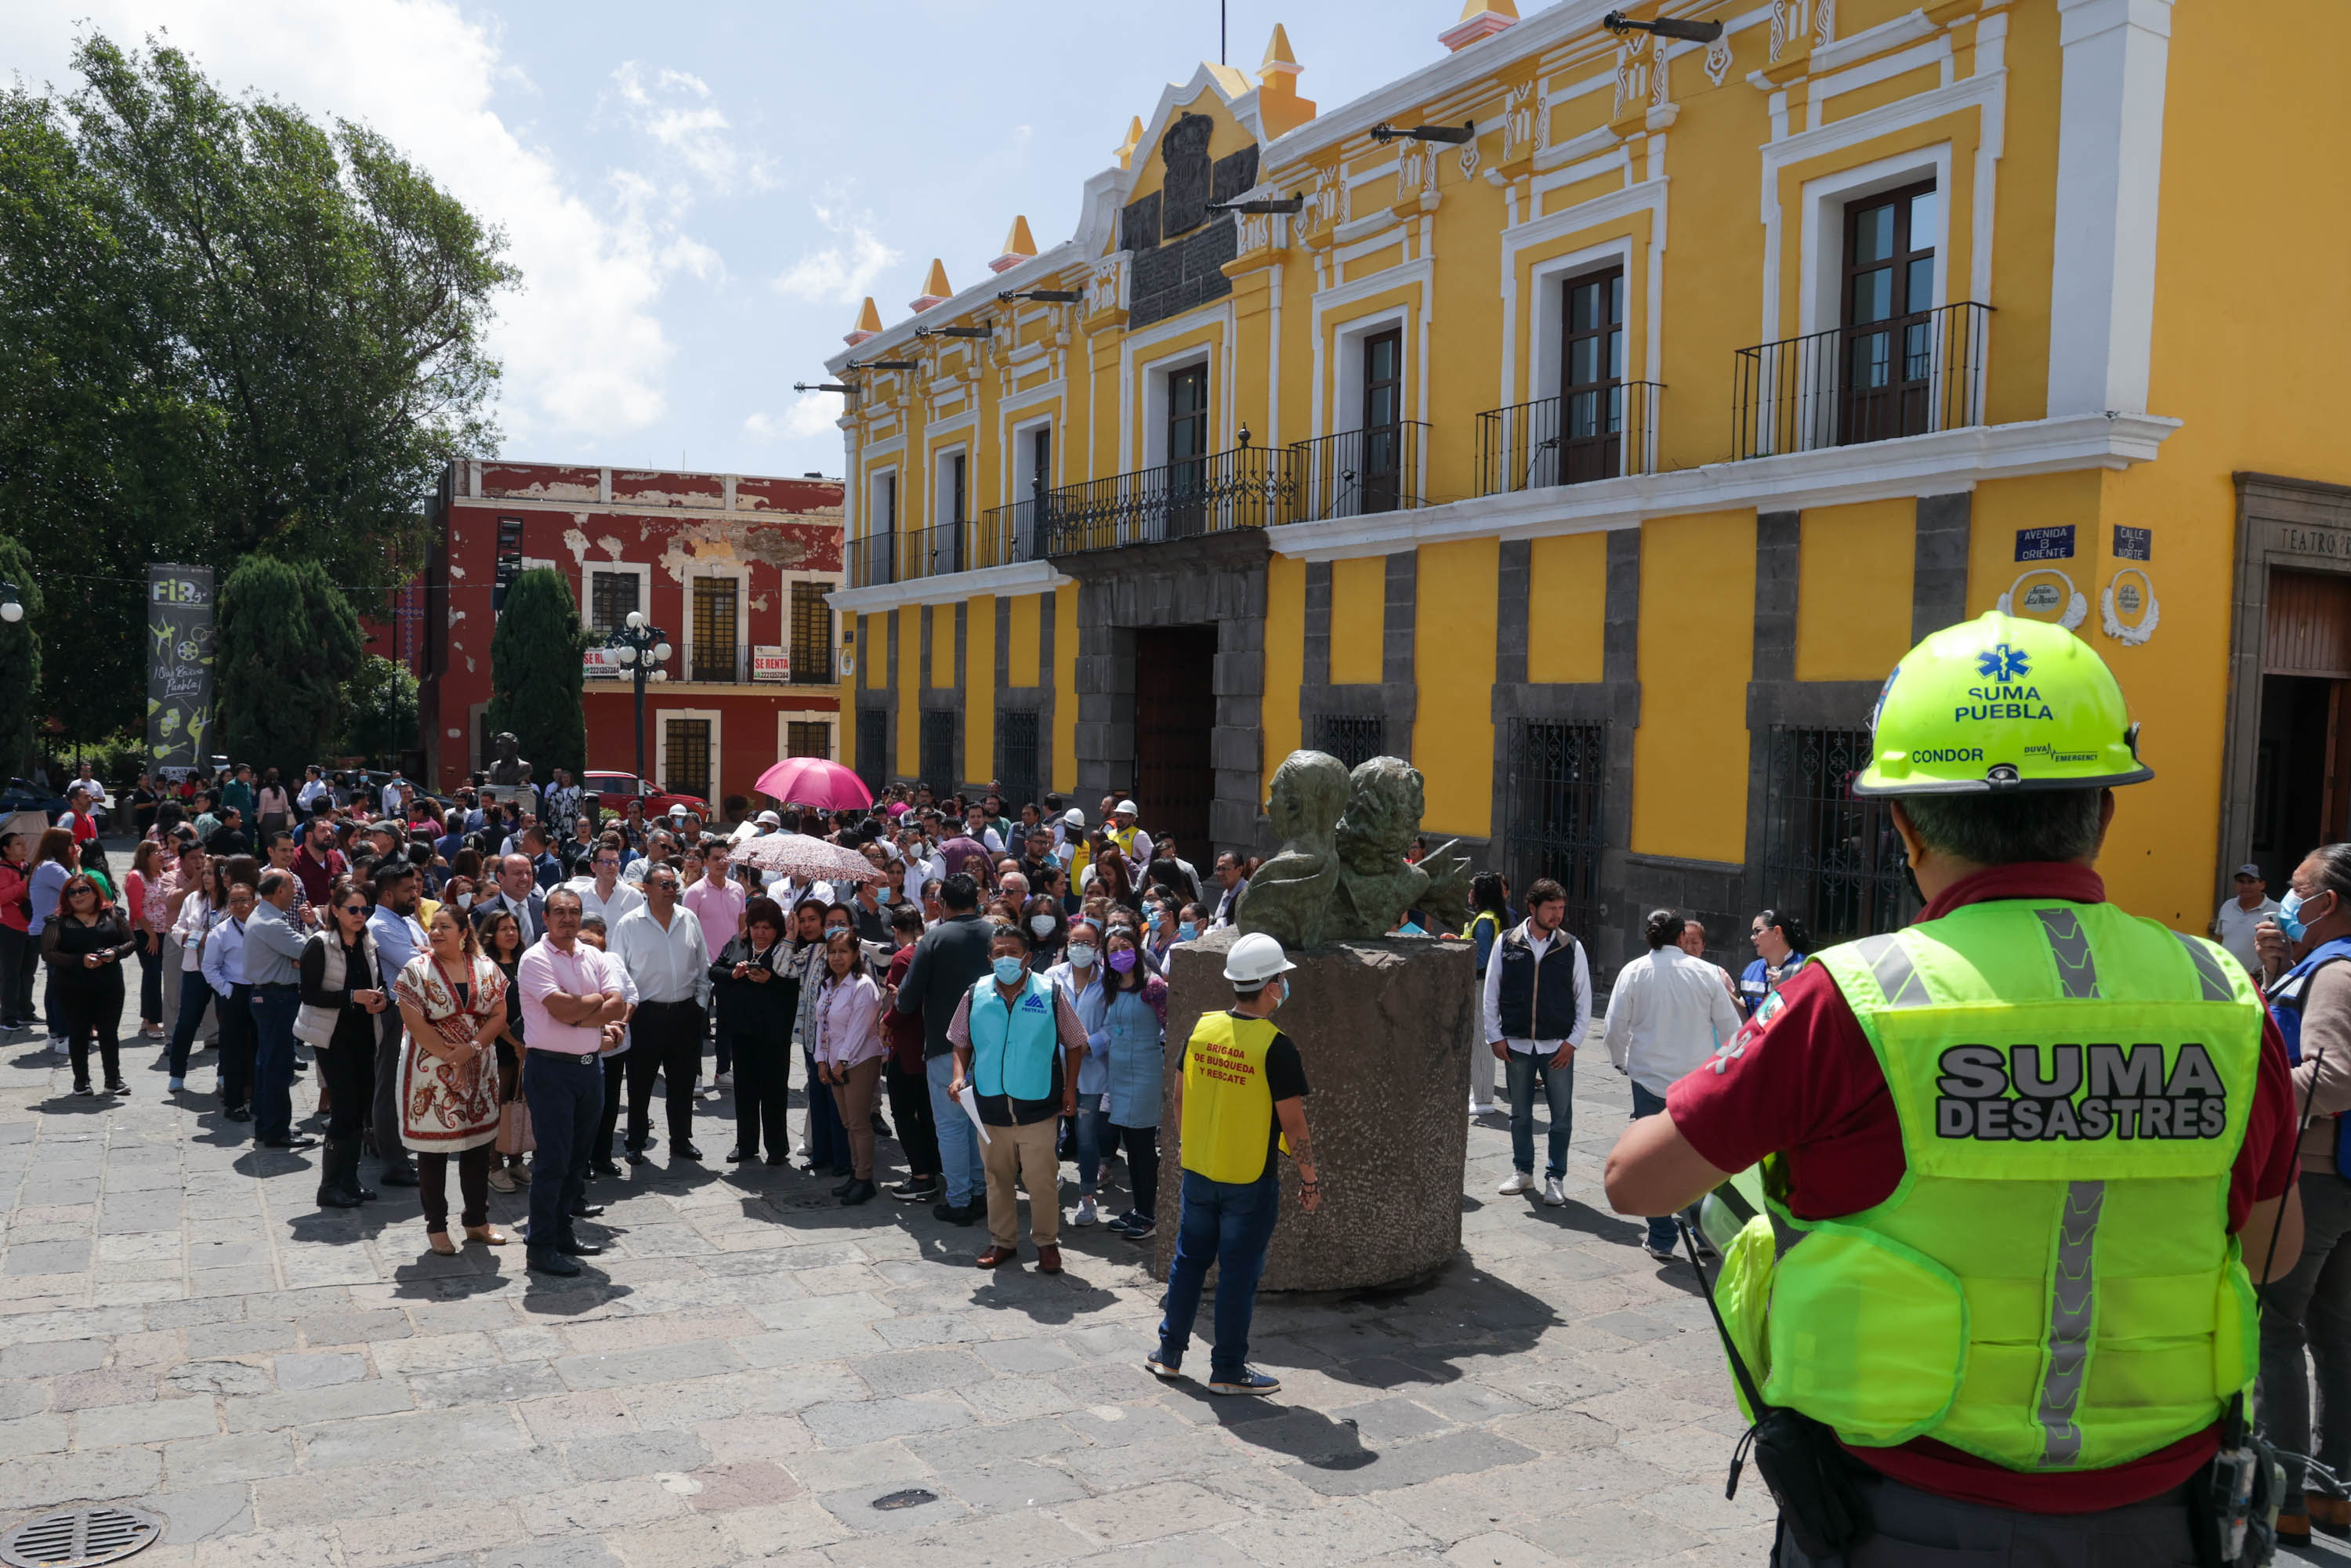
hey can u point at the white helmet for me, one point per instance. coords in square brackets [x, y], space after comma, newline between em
[1073, 818]
[1124, 808]
[1255, 959]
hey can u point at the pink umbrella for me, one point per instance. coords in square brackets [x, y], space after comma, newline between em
[813, 781]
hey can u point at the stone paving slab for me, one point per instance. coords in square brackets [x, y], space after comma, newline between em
[750, 1366]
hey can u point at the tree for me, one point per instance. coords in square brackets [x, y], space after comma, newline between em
[285, 641]
[20, 662]
[534, 673]
[225, 330]
[380, 711]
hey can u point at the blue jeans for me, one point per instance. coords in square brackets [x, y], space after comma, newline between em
[958, 1139]
[274, 1012]
[1661, 1229]
[195, 995]
[1095, 1140]
[828, 1135]
[1526, 1072]
[566, 1096]
[1230, 1225]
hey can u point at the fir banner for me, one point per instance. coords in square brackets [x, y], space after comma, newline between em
[179, 666]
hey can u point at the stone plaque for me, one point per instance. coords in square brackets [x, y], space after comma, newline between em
[1185, 190]
[1138, 225]
[1233, 173]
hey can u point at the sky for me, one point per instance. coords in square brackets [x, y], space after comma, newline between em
[698, 196]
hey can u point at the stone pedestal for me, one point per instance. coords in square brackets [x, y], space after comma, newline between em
[1386, 1029]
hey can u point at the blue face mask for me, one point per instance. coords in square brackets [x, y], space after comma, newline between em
[1009, 971]
[1186, 931]
[2289, 917]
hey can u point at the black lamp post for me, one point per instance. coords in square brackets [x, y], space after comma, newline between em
[640, 648]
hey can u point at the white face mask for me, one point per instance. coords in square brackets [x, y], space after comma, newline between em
[1042, 924]
[1081, 955]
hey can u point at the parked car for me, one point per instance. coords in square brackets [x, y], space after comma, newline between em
[24, 795]
[613, 791]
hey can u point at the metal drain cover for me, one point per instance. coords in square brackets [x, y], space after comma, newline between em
[81, 1538]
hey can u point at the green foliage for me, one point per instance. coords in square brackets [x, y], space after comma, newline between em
[225, 329]
[285, 642]
[534, 673]
[20, 662]
[380, 712]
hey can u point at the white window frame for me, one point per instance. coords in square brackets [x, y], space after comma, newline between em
[1154, 398]
[1825, 201]
[1547, 282]
[1348, 339]
[717, 748]
[943, 489]
[1024, 433]
[741, 575]
[791, 716]
[875, 512]
[642, 571]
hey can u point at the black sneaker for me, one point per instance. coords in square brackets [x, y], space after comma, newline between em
[84, 1091]
[914, 1191]
[118, 1088]
[955, 1214]
[238, 1113]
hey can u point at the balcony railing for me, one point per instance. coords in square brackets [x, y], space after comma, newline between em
[1248, 488]
[930, 552]
[1003, 535]
[1358, 472]
[1600, 432]
[873, 560]
[1906, 376]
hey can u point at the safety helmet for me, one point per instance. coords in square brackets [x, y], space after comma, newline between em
[1124, 808]
[1255, 959]
[1073, 818]
[1999, 704]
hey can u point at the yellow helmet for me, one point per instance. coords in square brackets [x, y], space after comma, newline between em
[1999, 704]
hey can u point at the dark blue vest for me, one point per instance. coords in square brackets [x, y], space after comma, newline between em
[1537, 1000]
[2287, 999]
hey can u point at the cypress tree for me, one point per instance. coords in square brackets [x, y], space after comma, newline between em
[285, 640]
[535, 674]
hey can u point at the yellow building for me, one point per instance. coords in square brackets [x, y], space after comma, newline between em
[1596, 418]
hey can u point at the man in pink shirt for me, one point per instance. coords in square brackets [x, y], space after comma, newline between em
[571, 991]
[718, 900]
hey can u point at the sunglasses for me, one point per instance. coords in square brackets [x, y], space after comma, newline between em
[83, 893]
[354, 909]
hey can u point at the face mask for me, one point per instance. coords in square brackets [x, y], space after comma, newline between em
[1008, 971]
[1282, 995]
[1186, 931]
[2289, 917]
[465, 901]
[1042, 924]
[1081, 955]
[1123, 960]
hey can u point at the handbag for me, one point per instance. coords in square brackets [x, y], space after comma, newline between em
[514, 1126]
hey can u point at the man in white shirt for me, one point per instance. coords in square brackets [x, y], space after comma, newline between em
[222, 968]
[1538, 1006]
[312, 788]
[399, 939]
[569, 993]
[604, 894]
[2232, 926]
[662, 948]
[1667, 1015]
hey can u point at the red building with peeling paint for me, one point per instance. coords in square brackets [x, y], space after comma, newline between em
[733, 569]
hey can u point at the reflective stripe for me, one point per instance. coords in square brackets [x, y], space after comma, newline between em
[2208, 972]
[2077, 971]
[2072, 1303]
[1896, 976]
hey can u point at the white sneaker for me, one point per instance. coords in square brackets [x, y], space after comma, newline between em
[1554, 1194]
[178, 1084]
[58, 1048]
[1087, 1214]
[725, 1077]
[1485, 1109]
[1518, 1182]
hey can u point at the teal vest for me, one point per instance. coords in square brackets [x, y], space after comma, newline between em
[1012, 1049]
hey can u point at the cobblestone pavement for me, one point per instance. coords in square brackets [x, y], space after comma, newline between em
[751, 1366]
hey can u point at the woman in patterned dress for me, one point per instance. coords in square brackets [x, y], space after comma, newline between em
[453, 1000]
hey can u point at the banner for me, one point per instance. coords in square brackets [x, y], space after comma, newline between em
[179, 667]
[772, 665]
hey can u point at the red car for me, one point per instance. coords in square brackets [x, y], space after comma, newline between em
[613, 792]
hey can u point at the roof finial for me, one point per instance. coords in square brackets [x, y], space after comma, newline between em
[1133, 140]
[936, 288]
[1480, 19]
[1017, 247]
[1279, 107]
[869, 321]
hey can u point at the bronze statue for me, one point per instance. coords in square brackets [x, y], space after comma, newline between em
[1289, 897]
[508, 767]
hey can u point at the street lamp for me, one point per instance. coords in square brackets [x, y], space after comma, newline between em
[11, 610]
[640, 648]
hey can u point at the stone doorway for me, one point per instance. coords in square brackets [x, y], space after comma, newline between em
[1175, 717]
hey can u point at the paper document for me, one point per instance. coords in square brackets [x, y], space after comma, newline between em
[969, 1101]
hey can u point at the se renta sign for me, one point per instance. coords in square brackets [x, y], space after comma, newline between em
[771, 663]
[2045, 544]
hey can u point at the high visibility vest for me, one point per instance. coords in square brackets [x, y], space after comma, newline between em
[1012, 1048]
[2287, 999]
[1123, 837]
[2051, 1287]
[1227, 1108]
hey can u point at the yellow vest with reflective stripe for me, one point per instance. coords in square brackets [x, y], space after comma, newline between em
[1227, 1108]
[2053, 1286]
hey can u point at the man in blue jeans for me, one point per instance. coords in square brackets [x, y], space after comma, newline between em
[951, 957]
[273, 968]
[1240, 1093]
[1538, 1006]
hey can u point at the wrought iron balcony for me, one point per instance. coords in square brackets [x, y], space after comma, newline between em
[1246, 487]
[930, 552]
[1357, 472]
[1003, 535]
[873, 560]
[1907, 375]
[1600, 432]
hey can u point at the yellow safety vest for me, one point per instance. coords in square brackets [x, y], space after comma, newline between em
[1227, 1108]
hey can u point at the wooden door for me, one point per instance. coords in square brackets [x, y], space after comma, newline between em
[1175, 712]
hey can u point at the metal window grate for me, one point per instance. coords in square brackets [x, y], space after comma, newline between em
[808, 740]
[81, 1538]
[1829, 855]
[1558, 799]
[873, 747]
[687, 768]
[811, 635]
[611, 596]
[1353, 738]
[939, 751]
[715, 621]
[1015, 758]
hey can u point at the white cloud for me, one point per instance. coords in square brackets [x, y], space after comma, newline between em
[813, 416]
[584, 349]
[674, 109]
[843, 272]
